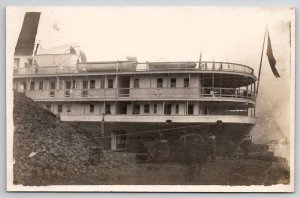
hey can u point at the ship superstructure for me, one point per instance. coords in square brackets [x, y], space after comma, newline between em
[132, 97]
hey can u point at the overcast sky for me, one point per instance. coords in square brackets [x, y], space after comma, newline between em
[176, 34]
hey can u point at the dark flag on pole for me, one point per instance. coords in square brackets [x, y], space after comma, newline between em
[271, 58]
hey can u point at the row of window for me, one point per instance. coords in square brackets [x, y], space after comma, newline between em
[84, 93]
[135, 110]
[167, 109]
[72, 84]
[159, 82]
[68, 108]
[91, 84]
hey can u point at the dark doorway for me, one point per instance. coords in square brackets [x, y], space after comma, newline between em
[122, 107]
[168, 109]
[190, 109]
[124, 86]
[118, 140]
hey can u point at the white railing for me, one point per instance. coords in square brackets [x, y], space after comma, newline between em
[157, 66]
[45, 70]
[163, 118]
[226, 93]
[144, 93]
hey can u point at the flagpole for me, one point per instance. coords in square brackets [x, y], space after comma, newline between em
[261, 58]
[200, 59]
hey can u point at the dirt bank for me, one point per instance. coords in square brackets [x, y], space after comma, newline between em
[48, 151]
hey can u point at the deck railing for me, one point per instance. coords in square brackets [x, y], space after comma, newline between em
[45, 70]
[203, 66]
[143, 93]
[227, 92]
[144, 67]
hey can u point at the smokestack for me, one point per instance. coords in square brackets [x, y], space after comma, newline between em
[26, 40]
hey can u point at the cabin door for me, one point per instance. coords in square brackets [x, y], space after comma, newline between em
[124, 86]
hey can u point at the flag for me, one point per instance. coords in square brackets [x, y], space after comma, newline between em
[271, 58]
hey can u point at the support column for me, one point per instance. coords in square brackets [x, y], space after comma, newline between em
[187, 108]
[213, 80]
[117, 86]
[105, 87]
[220, 84]
[29, 82]
[254, 90]
[189, 84]
[57, 83]
[104, 110]
[247, 91]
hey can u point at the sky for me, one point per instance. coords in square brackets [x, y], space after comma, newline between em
[179, 34]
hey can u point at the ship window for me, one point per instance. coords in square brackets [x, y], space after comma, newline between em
[190, 109]
[68, 108]
[108, 109]
[136, 83]
[52, 85]
[26, 65]
[146, 108]
[41, 85]
[200, 109]
[84, 93]
[136, 109]
[177, 109]
[29, 62]
[48, 106]
[102, 83]
[206, 111]
[67, 93]
[155, 109]
[74, 84]
[186, 82]
[92, 84]
[110, 83]
[168, 108]
[159, 83]
[59, 108]
[52, 93]
[173, 82]
[92, 107]
[32, 85]
[84, 84]
[68, 84]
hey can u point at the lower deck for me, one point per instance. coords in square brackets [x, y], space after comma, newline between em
[86, 109]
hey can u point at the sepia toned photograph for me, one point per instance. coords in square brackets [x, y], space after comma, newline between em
[150, 99]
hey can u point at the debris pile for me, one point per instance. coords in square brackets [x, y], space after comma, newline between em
[48, 151]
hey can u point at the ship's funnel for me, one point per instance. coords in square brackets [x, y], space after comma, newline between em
[26, 40]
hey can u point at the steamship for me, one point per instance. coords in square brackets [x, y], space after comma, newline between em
[130, 101]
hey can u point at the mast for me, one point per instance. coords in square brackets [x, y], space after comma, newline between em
[261, 58]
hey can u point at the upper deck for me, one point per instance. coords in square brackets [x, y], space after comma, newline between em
[129, 80]
[128, 68]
